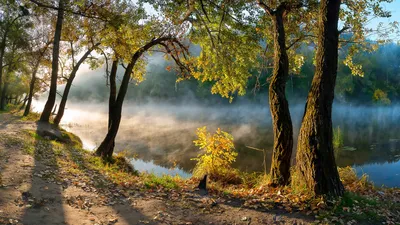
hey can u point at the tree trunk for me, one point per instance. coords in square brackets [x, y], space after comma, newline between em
[315, 156]
[281, 120]
[3, 99]
[106, 148]
[23, 103]
[31, 89]
[113, 91]
[45, 117]
[2, 50]
[71, 78]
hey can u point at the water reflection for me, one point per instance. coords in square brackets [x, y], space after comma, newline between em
[143, 166]
[161, 136]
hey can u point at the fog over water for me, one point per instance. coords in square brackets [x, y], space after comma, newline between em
[160, 118]
[160, 136]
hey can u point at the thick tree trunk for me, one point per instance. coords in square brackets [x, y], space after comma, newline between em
[45, 117]
[281, 120]
[315, 156]
[106, 148]
[31, 90]
[68, 85]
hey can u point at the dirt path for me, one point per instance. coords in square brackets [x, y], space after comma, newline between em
[35, 190]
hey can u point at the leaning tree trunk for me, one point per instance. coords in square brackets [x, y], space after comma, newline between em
[24, 103]
[315, 156]
[68, 85]
[282, 123]
[45, 117]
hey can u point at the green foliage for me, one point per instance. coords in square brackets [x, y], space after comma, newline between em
[219, 154]
[356, 15]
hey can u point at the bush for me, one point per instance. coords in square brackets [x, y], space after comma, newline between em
[219, 154]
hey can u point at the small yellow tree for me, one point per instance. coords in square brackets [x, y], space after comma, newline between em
[219, 154]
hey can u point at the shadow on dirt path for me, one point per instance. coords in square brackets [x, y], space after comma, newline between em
[44, 198]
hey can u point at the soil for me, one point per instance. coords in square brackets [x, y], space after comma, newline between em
[29, 195]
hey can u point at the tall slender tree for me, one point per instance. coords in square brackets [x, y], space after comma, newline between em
[45, 116]
[79, 33]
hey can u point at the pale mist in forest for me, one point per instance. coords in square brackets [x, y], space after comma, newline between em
[159, 137]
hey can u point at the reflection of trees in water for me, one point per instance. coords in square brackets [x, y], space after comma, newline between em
[374, 134]
[165, 136]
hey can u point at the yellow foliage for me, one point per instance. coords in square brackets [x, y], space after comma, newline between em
[219, 154]
[380, 97]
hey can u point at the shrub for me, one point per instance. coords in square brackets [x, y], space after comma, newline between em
[219, 154]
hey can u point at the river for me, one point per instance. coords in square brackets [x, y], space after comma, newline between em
[159, 137]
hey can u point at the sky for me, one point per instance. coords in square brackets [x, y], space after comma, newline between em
[394, 8]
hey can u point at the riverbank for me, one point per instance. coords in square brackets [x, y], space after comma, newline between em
[57, 182]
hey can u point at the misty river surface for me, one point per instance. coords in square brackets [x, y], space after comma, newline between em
[159, 137]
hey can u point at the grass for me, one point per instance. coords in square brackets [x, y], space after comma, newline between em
[152, 181]
[350, 180]
[355, 207]
[32, 116]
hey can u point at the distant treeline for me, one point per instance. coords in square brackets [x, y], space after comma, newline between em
[380, 84]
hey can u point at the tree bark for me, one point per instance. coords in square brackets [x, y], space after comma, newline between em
[3, 99]
[68, 85]
[113, 91]
[315, 156]
[279, 107]
[24, 103]
[31, 89]
[45, 117]
[106, 148]
[2, 51]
